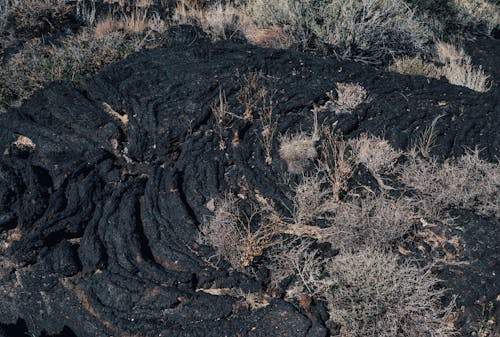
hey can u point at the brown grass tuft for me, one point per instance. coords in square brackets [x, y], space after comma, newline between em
[415, 66]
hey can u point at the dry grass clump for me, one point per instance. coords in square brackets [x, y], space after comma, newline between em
[375, 153]
[136, 23]
[238, 235]
[478, 13]
[77, 57]
[459, 70]
[297, 150]
[371, 294]
[218, 20]
[349, 96]
[415, 66]
[467, 182]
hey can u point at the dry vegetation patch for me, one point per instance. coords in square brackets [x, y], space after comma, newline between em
[297, 150]
[415, 66]
[371, 294]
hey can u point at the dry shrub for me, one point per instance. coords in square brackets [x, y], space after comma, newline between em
[334, 162]
[467, 182]
[297, 150]
[372, 30]
[216, 20]
[349, 96]
[312, 200]
[135, 23]
[77, 57]
[34, 15]
[370, 221]
[459, 70]
[371, 294]
[238, 235]
[415, 66]
[271, 37]
[478, 13]
[375, 153]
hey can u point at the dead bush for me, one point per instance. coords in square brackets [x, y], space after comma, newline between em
[34, 15]
[334, 162]
[297, 150]
[369, 221]
[238, 235]
[312, 200]
[415, 66]
[375, 153]
[299, 260]
[349, 96]
[479, 14]
[371, 294]
[467, 182]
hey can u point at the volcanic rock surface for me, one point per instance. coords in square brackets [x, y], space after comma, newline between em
[103, 187]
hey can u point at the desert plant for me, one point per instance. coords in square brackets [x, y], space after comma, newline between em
[459, 70]
[236, 234]
[268, 123]
[467, 182]
[334, 162]
[349, 96]
[312, 200]
[369, 221]
[478, 14]
[297, 150]
[371, 294]
[372, 30]
[298, 259]
[415, 66]
[77, 57]
[375, 153]
[217, 19]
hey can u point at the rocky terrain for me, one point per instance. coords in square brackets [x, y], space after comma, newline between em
[108, 186]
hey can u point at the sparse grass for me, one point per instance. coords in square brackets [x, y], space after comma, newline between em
[459, 70]
[78, 57]
[370, 30]
[415, 66]
[268, 122]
